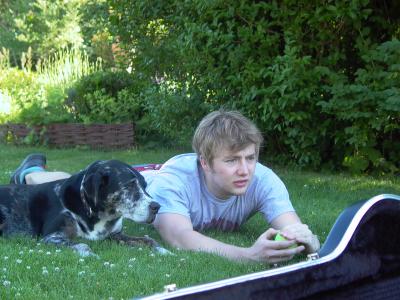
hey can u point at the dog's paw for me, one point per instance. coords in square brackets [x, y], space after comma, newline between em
[84, 250]
[163, 251]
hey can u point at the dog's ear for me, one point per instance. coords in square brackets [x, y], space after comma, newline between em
[93, 183]
[142, 182]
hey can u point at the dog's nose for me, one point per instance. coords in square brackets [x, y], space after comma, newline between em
[154, 206]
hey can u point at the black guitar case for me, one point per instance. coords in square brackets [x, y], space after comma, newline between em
[360, 259]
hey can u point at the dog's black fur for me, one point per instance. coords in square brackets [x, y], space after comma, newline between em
[90, 204]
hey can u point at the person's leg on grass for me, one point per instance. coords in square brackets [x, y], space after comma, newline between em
[32, 170]
[42, 177]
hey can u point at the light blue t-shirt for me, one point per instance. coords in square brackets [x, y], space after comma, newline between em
[179, 187]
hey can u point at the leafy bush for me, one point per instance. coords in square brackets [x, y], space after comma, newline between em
[32, 102]
[37, 98]
[368, 111]
[286, 108]
[171, 111]
[105, 97]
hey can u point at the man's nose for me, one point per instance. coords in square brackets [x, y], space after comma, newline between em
[243, 168]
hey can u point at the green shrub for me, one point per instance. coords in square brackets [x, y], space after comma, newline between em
[37, 98]
[24, 91]
[105, 97]
[32, 102]
[172, 111]
[368, 112]
[286, 108]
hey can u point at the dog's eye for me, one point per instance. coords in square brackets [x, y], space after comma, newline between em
[136, 194]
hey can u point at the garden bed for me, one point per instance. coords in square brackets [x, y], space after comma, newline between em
[98, 136]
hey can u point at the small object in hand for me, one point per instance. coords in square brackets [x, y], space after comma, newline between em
[279, 237]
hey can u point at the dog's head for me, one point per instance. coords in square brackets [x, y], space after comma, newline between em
[115, 189]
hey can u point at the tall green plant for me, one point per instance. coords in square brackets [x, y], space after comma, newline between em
[65, 67]
[4, 59]
[39, 97]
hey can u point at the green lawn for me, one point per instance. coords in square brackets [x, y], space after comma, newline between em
[31, 270]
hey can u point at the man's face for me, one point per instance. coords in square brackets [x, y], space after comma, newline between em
[231, 172]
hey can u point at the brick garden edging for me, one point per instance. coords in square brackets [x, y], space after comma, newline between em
[103, 136]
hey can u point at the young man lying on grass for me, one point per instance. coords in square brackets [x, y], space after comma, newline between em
[220, 187]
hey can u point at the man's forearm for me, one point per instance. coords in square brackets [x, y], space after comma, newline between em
[193, 240]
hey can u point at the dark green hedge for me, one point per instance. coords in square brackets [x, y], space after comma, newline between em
[320, 78]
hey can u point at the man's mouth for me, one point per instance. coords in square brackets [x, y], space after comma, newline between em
[240, 183]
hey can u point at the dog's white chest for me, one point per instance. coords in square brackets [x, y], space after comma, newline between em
[101, 229]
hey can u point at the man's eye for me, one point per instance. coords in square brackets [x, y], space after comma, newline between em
[230, 161]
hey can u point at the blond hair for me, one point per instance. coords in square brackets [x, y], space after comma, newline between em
[225, 129]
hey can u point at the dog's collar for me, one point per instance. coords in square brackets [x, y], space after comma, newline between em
[82, 191]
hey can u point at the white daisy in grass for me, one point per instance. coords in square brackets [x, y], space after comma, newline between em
[6, 283]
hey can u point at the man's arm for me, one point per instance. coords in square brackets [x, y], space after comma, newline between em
[291, 228]
[177, 230]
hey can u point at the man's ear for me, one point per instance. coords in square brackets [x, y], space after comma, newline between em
[204, 164]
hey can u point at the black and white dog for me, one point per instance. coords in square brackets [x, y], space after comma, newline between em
[90, 204]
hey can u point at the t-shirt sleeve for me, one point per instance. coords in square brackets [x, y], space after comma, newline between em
[170, 193]
[273, 196]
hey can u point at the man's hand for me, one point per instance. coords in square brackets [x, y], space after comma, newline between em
[303, 235]
[265, 249]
